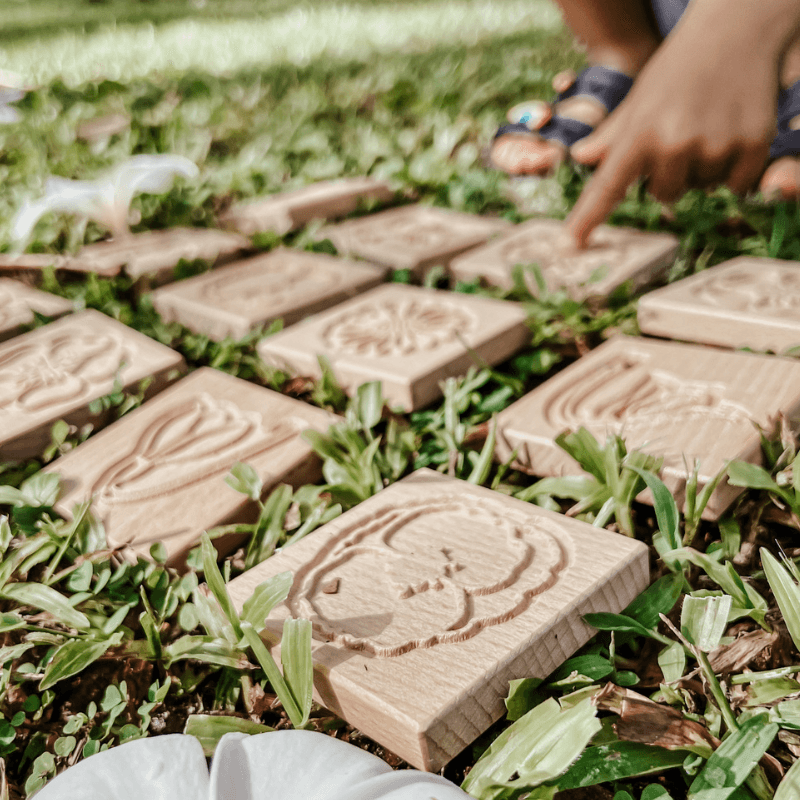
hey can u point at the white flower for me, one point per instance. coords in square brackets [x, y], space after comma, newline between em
[281, 765]
[105, 200]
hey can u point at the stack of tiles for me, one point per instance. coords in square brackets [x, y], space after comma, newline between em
[407, 337]
[412, 237]
[615, 256]
[682, 402]
[427, 599]
[287, 211]
[157, 475]
[745, 302]
[55, 372]
[284, 284]
[18, 303]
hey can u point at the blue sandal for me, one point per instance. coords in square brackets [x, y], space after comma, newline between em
[605, 85]
[787, 141]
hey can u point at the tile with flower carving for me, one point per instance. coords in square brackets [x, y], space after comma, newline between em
[55, 372]
[18, 302]
[452, 589]
[745, 302]
[685, 403]
[158, 474]
[152, 256]
[407, 337]
[412, 237]
[614, 256]
[287, 211]
[283, 284]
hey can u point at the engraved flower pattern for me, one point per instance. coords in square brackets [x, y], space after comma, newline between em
[382, 586]
[774, 292]
[63, 369]
[397, 328]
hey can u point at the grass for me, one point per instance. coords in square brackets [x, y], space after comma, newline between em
[411, 92]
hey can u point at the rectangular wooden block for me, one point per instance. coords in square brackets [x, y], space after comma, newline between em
[287, 211]
[614, 256]
[154, 254]
[686, 403]
[412, 237]
[428, 598]
[157, 474]
[284, 284]
[745, 302]
[18, 302]
[407, 337]
[56, 371]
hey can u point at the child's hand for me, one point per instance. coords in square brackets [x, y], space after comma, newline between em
[701, 114]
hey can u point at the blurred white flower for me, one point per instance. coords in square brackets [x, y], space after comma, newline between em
[105, 200]
[281, 765]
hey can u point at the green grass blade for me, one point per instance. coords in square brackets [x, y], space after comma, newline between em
[298, 668]
[480, 472]
[74, 657]
[266, 596]
[786, 591]
[217, 585]
[704, 620]
[667, 514]
[208, 729]
[789, 788]
[47, 599]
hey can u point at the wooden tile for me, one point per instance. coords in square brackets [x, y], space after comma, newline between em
[54, 372]
[18, 302]
[444, 592]
[103, 127]
[412, 237]
[408, 337]
[673, 400]
[745, 302]
[157, 474]
[284, 284]
[154, 254]
[614, 256]
[287, 211]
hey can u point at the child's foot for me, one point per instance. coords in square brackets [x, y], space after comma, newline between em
[539, 137]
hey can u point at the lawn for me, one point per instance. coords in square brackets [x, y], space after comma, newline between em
[269, 95]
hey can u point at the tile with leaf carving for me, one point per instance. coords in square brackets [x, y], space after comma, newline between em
[412, 237]
[283, 284]
[407, 337]
[287, 211]
[452, 589]
[745, 302]
[158, 474]
[18, 303]
[685, 403]
[153, 255]
[57, 371]
[614, 256]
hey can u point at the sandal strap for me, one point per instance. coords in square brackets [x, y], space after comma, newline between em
[565, 130]
[787, 140]
[786, 143]
[606, 85]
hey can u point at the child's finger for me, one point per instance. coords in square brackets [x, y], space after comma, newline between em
[748, 169]
[591, 150]
[604, 192]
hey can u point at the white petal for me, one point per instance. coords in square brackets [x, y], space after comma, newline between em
[152, 174]
[170, 767]
[301, 765]
[406, 784]
[230, 769]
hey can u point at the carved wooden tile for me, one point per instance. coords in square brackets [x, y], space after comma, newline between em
[428, 598]
[18, 302]
[284, 284]
[672, 400]
[745, 302]
[408, 337]
[614, 256]
[287, 211]
[154, 254]
[158, 474]
[412, 237]
[56, 371]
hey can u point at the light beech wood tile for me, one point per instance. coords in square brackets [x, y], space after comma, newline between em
[745, 302]
[18, 302]
[56, 371]
[153, 255]
[158, 474]
[284, 284]
[409, 338]
[412, 237]
[287, 211]
[614, 256]
[428, 598]
[686, 403]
